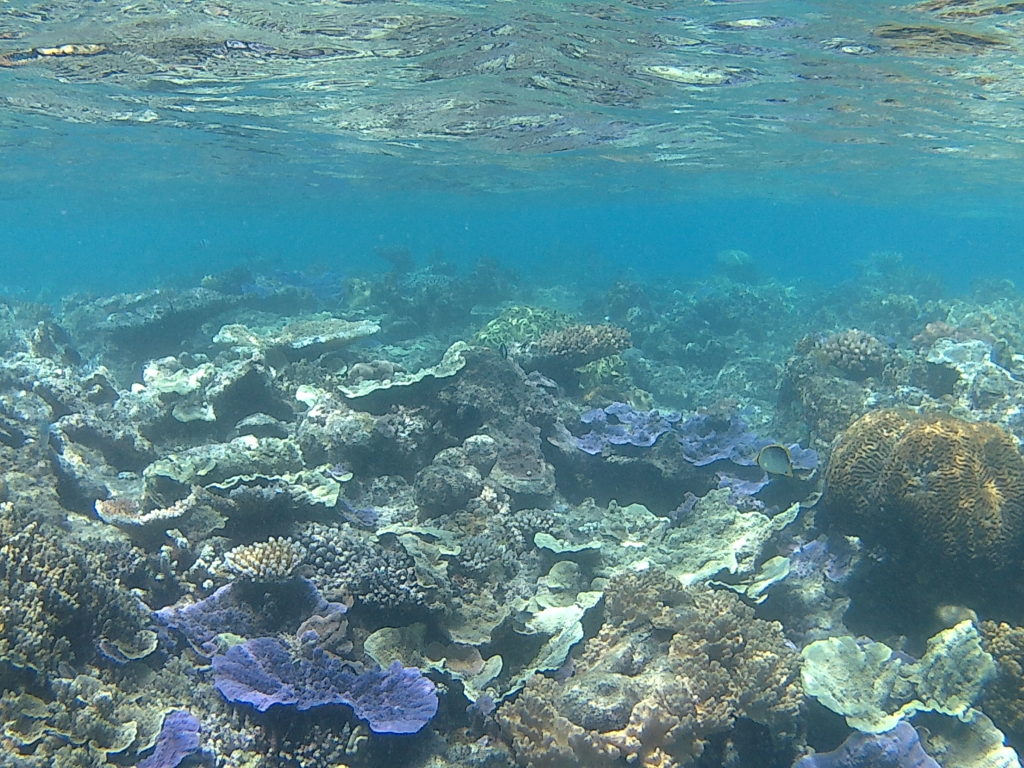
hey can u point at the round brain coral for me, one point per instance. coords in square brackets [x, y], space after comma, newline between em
[944, 491]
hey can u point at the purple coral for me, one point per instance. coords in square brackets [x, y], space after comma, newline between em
[622, 424]
[706, 439]
[264, 671]
[898, 748]
[393, 700]
[703, 438]
[179, 738]
[804, 460]
[831, 557]
[237, 609]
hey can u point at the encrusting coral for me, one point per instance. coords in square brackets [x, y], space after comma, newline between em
[665, 680]
[933, 488]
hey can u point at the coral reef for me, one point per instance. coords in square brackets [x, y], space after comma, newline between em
[856, 353]
[382, 534]
[934, 489]
[664, 680]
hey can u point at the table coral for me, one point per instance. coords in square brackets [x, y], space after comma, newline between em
[936, 489]
[665, 679]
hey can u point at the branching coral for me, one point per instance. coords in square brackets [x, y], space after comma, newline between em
[271, 560]
[1004, 697]
[577, 345]
[58, 603]
[671, 670]
[856, 353]
[346, 563]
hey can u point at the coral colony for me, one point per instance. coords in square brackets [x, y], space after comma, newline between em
[405, 521]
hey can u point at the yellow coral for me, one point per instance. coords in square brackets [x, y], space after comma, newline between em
[271, 560]
[938, 486]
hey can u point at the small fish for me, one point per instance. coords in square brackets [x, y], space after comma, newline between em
[775, 460]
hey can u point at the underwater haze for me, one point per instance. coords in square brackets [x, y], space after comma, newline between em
[511, 385]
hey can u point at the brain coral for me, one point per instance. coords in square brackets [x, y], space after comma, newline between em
[945, 490]
[663, 683]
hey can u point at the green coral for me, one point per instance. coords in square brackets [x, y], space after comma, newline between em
[519, 325]
[608, 379]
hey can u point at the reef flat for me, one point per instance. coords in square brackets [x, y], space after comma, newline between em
[448, 516]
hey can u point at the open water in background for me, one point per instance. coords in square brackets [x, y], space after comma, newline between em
[118, 175]
[117, 234]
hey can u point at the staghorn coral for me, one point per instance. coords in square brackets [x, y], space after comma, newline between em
[935, 488]
[1004, 697]
[271, 560]
[666, 678]
[856, 353]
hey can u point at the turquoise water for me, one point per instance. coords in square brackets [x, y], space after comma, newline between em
[646, 135]
[120, 233]
[644, 379]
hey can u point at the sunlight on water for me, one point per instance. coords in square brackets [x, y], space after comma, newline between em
[514, 95]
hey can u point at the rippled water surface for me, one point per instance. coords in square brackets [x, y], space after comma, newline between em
[621, 87]
[336, 107]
